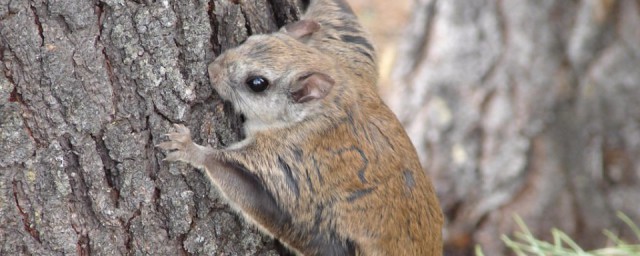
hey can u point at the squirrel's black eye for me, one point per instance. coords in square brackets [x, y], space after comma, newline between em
[257, 83]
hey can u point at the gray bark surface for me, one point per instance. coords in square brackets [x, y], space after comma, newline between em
[525, 107]
[87, 88]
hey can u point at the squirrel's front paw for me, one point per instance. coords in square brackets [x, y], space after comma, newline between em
[180, 142]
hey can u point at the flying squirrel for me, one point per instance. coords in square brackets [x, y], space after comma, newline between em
[326, 168]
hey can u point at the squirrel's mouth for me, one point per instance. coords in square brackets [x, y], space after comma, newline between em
[242, 119]
[236, 119]
[241, 132]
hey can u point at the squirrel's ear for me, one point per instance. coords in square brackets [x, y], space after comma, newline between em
[302, 29]
[312, 87]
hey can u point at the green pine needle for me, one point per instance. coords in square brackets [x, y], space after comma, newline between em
[524, 243]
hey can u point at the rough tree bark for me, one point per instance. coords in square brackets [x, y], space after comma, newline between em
[87, 87]
[525, 106]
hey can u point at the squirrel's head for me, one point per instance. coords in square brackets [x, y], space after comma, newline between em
[276, 80]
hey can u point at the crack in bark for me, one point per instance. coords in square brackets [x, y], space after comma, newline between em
[295, 13]
[110, 72]
[153, 168]
[181, 59]
[83, 244]
[25, 216]
[127, 227]
[280, 21]
[277, 18]
[108, 166]
[281, 15]
[181, 239]
[82, 247]
[214, 41]
[109, 68]
[78, 190]
[247, 22]
[100, 12]
[38, 24]
[113, 78]
[14, 96]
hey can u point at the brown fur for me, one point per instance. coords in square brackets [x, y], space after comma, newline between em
[343, 38]
[336, 175]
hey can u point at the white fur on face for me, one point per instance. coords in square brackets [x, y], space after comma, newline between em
[274, 107]
[265, 111]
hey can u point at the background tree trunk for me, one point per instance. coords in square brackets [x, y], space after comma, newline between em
[525, 106]
[86, 89]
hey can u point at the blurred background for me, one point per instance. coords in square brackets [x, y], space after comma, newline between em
[385, 21]
[528, 108]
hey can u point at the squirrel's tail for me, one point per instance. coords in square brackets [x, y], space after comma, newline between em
[341, 34]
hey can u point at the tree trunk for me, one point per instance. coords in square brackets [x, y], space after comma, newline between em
[525, 107]
[87, 89]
